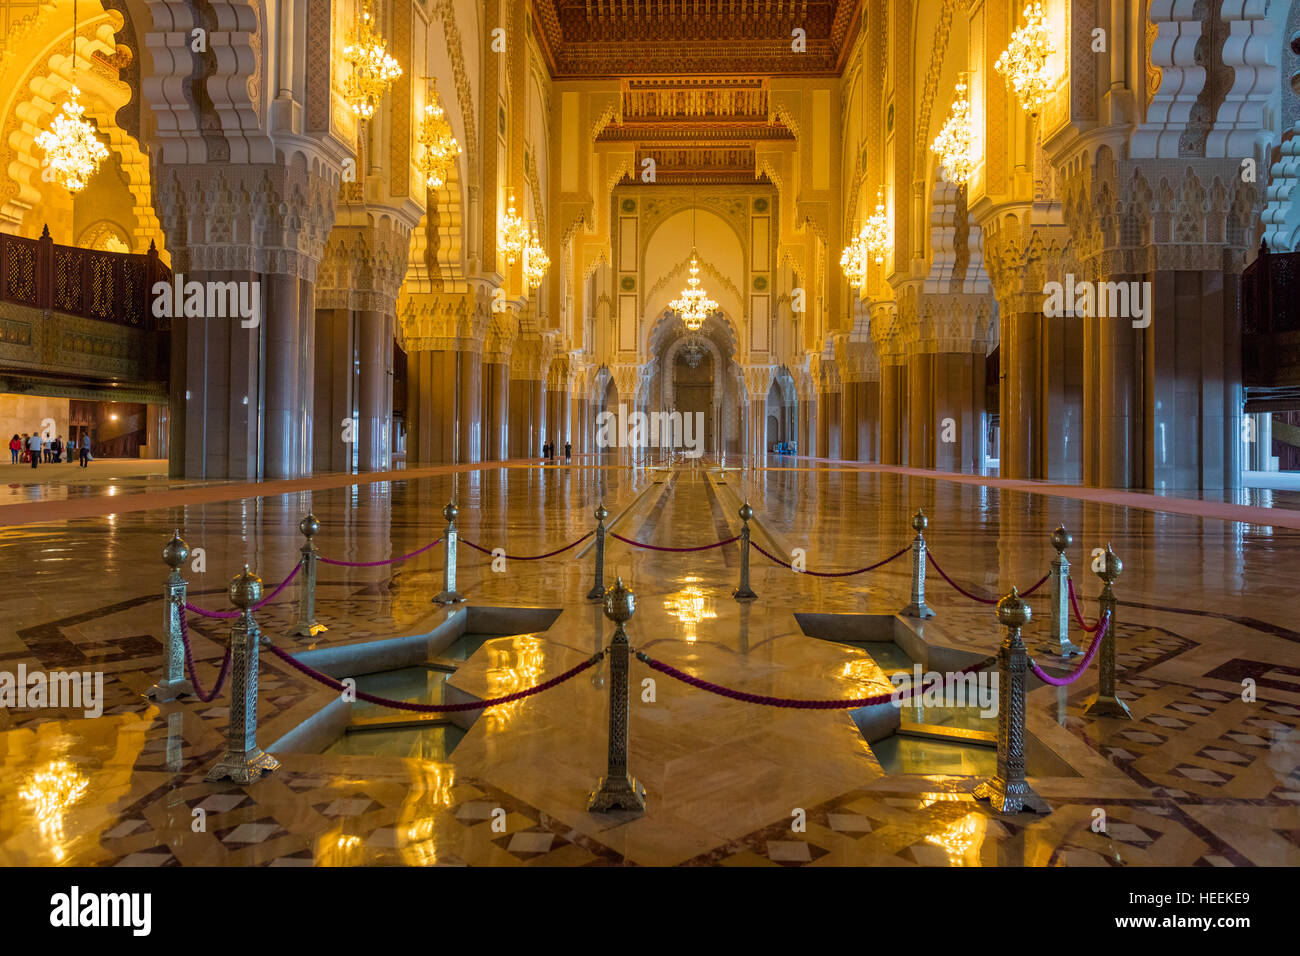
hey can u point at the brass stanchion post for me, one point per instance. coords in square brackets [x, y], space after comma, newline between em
[744, 592]
[1105, 703]
[597, 592]
[173, 683]
[449, 594]
[1007, 791]
[1060, 575]
[618, 789]
[244, 761]
[918, 606]
[307, 625]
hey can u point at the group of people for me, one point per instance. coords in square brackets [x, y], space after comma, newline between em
[35, 449]
[548, 451]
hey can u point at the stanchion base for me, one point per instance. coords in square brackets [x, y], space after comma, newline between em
[168, 690]
[1099, 706]
[597, 593]
[921, 611]
[744, 594]
[448, 597]
[242, 768]
[616, 793]
[1010, 798]
[308, 630]
[1065, 651]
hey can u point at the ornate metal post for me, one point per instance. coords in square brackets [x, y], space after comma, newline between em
[1007, 790]
[744, 592]
[307, 625]
[1104, 703]
[597, 592]
[173, 683]
[1060, 575]
[244, 761]
[618, 790]
[918, 606]
[449, 594]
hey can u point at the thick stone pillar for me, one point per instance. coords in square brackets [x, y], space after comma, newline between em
[374, 390]
[495, 410]
[282, 435]
[849, 408]
[432, 389]
[334, 395]
[469, 405]
[921, 424]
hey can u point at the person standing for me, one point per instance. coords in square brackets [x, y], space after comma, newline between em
[34, 447]
[568, 452]
[15, 447]
[56, 448]
[85, 450]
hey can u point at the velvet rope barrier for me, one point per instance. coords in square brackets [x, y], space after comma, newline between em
[189, 666]
[1102, 626]
[378, 564]
[655, 547]
[1078, 615]
[528, 557]
[231, 615]
[797, 703]
[975, 597]
[331, 683]
[829, 574]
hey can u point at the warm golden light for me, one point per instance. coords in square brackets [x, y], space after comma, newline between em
[373, 68]
[955, 144]
[514, 664]
[536, 261]
[72, 152]
[691, 606]
[1024, 63]
[49, 795]
[875, 233]
[513, 234]
[693, 304]
[440, 148]
[853, 260]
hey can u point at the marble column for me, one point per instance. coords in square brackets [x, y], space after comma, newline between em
[431, 385]
[281, 436]
[374, 389]
[469, 405]
[921, 424]
[892, 383]
[334, 394]
[495, 410]
[869, 420]
[823, 425]
[958, 390]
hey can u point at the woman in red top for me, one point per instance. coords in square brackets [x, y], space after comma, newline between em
[15, 446]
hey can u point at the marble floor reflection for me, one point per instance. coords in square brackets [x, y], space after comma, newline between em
[1198, 777]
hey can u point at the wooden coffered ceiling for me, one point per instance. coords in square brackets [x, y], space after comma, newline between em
[604, 39]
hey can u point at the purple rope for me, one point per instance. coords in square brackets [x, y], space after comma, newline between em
[1041, 582]
[654, 547]
[530, 557]
[377, 564]
[331, 683]
[189, 666]
[231, 615]
[1078, 615]
[794, 702]
[829, 574]
[975, 597]
[1103, 626]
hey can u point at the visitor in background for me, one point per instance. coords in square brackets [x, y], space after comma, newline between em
[34, 447]
[45, 448]
[24, 456]
[56, 448]
[15, 448]
[85, 450]
[568, 452]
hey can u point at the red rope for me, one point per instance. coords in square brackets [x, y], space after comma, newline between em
[378, 564]
[529, 557]
[1104, 625]
[652, 547]
[1078, 615]
[189, 665]
[828, 574]
[975, 597]
[231, 615]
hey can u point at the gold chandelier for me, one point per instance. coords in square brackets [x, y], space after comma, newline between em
[1024, 63]
[514, 237]
[875, 233]
[373, 69]
[72, 151]
[854, 260]
[955, 144]
[440, 147]
[693, 305]
[536, 261]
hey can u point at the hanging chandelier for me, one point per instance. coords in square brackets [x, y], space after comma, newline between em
[955, 144]
[72, 151]
[439, 146]
[875, 233]
[693, 304]
[692, 352]
[373, 69]
[854, 260]
[514, 237]
[536, 261]
[1024, 63]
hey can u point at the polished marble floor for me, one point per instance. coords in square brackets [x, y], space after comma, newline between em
[1199, 777]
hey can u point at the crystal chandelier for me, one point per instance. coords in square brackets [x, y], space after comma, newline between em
[955, 144]
[440, 147]
[1024, 62]
[875, 233]
[72, 151]
[513, 235]
[694, 304]
[536, 261]
[693, 351]
[373, 69]
[854, 260]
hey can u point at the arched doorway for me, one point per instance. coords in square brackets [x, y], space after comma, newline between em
[693, 375]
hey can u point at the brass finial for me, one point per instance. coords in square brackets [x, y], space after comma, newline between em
[450, 512]
[601, 513]
[620, 603]
[746, 512]
[1013, 611]
[245, 589]
[309, 526]
[1111, 566]
[919, 521]
[176, 551]
[1061, 539]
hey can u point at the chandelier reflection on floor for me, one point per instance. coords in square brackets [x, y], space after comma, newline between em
[691, 606]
